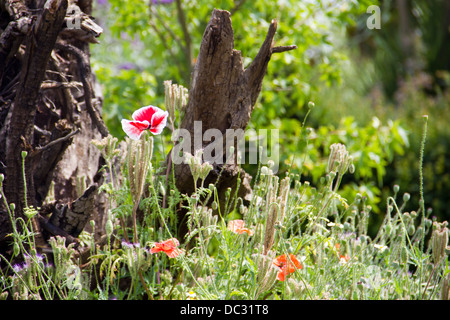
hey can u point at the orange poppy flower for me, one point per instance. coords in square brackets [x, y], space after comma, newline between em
[237, 226]
[344, 259]
[286, 266]
[169, 247]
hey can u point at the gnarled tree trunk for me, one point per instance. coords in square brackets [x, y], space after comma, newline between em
[51, 111]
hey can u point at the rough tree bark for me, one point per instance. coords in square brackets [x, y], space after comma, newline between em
[50, 110]
[222, 96]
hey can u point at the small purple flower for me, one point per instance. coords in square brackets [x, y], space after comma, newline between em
[102, 2]
[126, 66]
[39, 257]
[17, 268]
[162, 1]
[126, 244]
[130, 245]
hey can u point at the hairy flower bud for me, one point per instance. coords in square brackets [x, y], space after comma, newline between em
[109, 227]
[439, 241]
[16, 249]
[396, 188]
[406, 197]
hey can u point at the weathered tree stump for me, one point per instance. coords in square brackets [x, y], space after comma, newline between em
[222, 96]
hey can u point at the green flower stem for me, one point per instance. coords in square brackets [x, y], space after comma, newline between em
[422, 151]
[297, 271]
[152, 187]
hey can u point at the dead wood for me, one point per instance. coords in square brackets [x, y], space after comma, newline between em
[222, 96]
[50, 110]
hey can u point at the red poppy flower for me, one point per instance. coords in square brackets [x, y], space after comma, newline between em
[169, 247]
[237, 226]
[286, 266]
[146, 118]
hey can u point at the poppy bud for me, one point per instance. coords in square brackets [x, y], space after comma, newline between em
[396, 188]
[228, 192]
[351, 168]
[346, 226]
[411, 229]
[406, 197]
[162, 189]
[265, 170]
[388, 228]
[404, 255]
[16, 249]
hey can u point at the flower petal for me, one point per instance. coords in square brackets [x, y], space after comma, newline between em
[158, 121]
[279, 261]
[281, 275]
[249, 232]
[145, 113]
[175, 252]
[169, 247]
[170, 243]
[155, 250]
[235, 225]
[134, 129]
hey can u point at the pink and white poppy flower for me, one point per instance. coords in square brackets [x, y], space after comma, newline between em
[146, 118]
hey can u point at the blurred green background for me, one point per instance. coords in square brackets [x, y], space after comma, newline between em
[370, 86]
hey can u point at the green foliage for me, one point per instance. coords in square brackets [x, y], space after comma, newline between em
[126, 89]
[154, 41]
[404, 171]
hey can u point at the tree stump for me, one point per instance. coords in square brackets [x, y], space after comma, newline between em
[222, 96]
